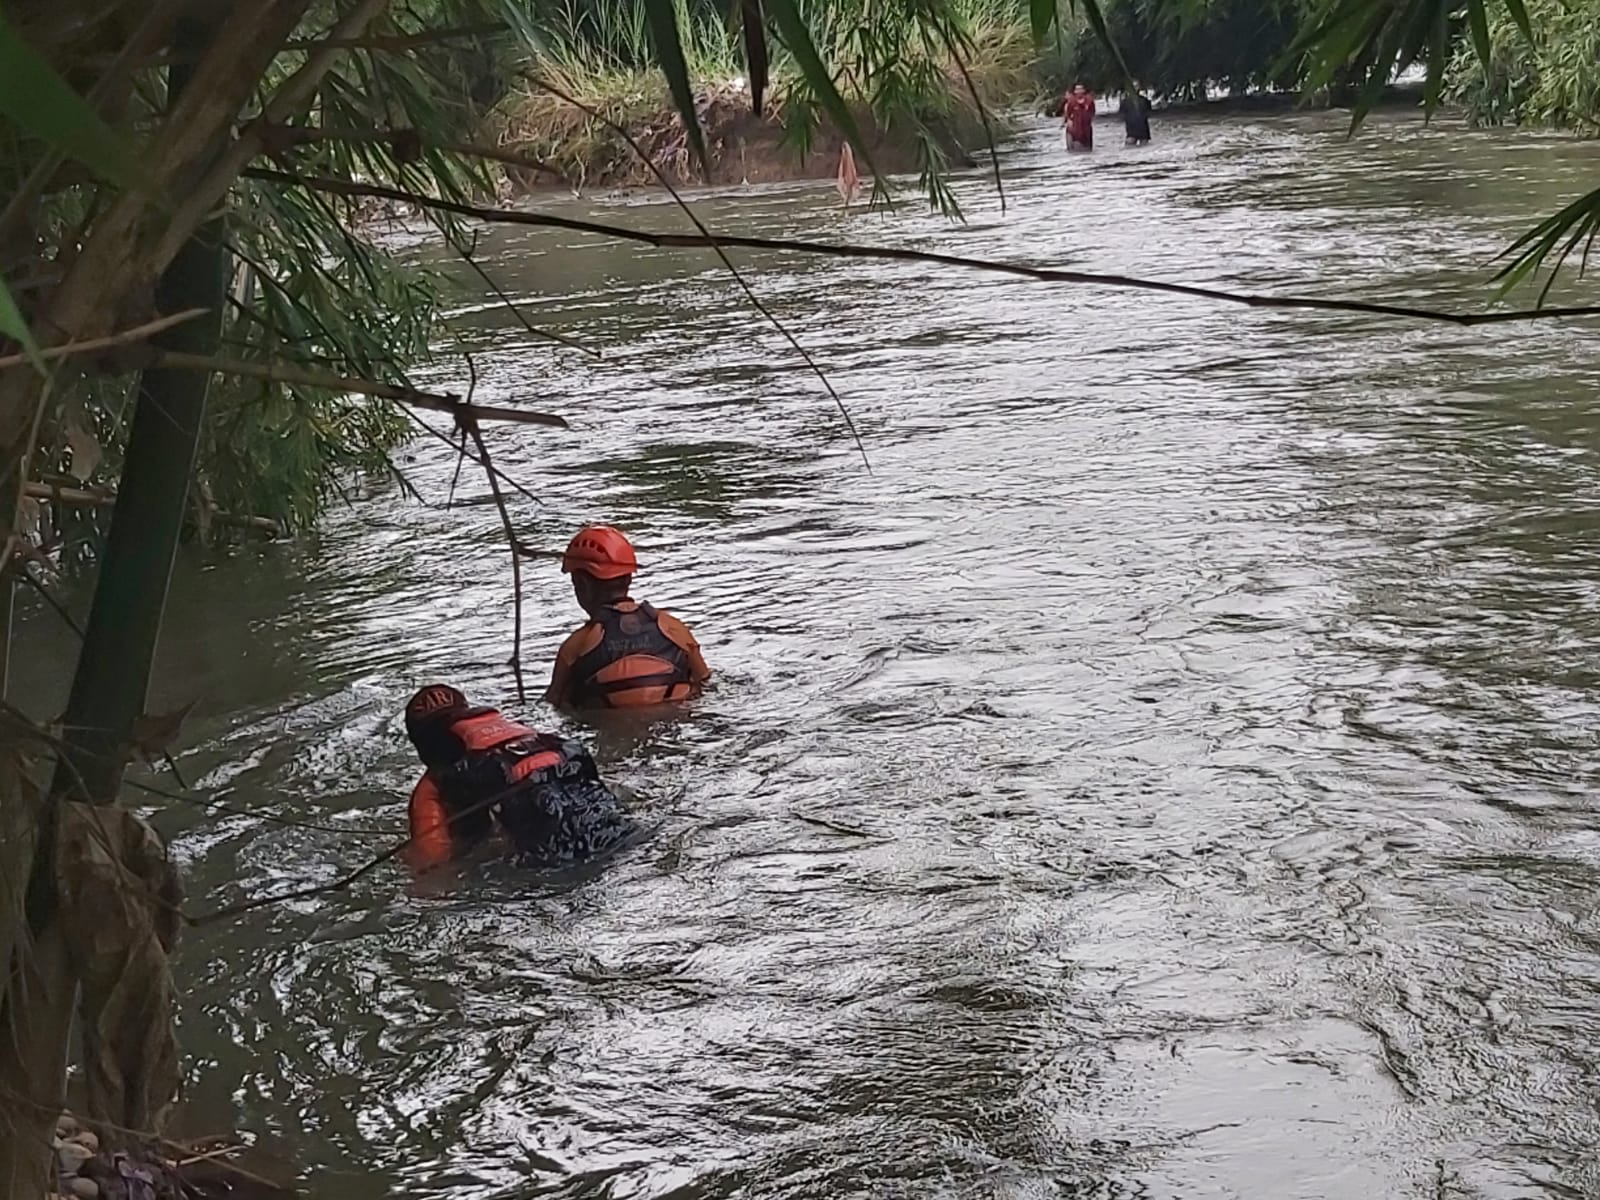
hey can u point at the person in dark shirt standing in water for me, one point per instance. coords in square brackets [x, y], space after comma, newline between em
[628, 655]
[1135, 110]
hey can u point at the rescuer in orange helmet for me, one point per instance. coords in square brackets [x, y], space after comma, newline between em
[628, 655]
[485, 775]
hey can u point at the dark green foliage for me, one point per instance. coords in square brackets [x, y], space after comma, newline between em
[1554, 79]
[1175, 52]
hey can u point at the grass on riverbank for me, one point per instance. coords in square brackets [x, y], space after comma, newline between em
[907, 89]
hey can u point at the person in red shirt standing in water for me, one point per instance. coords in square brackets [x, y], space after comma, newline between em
[487, 777]
[1078, 112]
[628, 655]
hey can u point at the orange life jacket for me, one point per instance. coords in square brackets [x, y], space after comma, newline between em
[499, 754]
[636, 633]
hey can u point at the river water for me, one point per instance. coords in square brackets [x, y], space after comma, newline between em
[1168, 773]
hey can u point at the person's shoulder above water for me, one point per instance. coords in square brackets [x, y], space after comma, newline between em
[430, 844]
[578, 643]
[681, 635]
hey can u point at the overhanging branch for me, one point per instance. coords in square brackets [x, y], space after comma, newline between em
[88, 346]
[399, 41]
[404, 143]
[303, 377]
[701, 228]
[695, 241]
[85, 497]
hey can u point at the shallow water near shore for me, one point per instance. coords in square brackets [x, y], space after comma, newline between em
[1169, 772]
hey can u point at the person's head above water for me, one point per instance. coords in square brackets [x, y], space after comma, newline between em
[429, 715]
[601, 561]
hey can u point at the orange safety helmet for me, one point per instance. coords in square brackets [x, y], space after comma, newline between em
[601, 552]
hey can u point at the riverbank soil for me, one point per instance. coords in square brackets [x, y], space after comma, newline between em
[742, 147]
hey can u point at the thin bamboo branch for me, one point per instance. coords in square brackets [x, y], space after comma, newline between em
[218, 806]
[210, 1156]
[394, 42]
[462, 450]
[400, 41]
[90, 345]
[9, 1097]
[345, 881]
[688, 241]
[299, 135]
[954, 51]
[516, 311]
[512, 543]
[104, 498]
[744, 284]
[300, 376]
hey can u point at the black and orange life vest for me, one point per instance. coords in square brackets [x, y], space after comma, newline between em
[502, 760]
[544, 791]
[636, 632]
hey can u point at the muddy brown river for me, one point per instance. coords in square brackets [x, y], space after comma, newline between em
[1169, 773]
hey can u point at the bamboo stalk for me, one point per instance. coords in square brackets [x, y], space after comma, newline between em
[516, 559]
[112, 678]
[288, 98]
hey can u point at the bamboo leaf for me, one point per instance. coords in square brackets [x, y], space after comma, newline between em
[797, 37]
[39, 102]
[153, 734]
[1480, 32]
[1377, 80]
[1437, 58]
[14, 327]
[1323, 37]
[753, 28]
[1519, 14]
[1341, 37]
[663, 15]
[1097, 22]
[954, 50]
[1533, 249]
[1041, 13]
